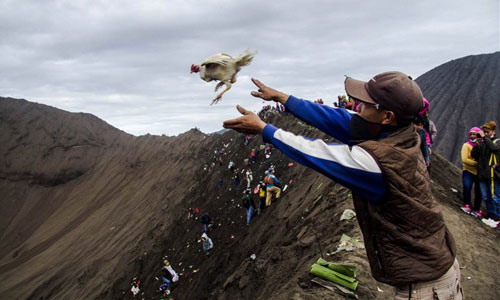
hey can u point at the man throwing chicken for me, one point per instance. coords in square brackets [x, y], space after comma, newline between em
[407, 242]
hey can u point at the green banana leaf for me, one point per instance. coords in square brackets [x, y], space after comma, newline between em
[348, 270]
[333, 276]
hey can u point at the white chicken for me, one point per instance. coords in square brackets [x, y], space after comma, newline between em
[222, 67]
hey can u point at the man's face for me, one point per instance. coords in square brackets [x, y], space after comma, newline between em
[370, 113]
[488, 132]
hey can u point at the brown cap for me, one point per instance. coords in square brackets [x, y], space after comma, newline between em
[394, 91]
[491, 125]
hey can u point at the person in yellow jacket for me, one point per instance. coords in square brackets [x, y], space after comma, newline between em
[469, 176]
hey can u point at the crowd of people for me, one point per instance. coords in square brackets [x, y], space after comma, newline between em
[481, 173]
[267, 189]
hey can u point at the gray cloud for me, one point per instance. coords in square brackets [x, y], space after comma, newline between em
[128, 61]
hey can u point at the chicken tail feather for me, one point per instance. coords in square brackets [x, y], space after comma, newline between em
[245, 58]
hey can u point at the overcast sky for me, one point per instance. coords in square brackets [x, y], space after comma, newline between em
[128, 62]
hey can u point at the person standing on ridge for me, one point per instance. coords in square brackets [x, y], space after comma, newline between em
[469, 176]
[407, 242]
[419, 127]
[430, 130]
[487, 154]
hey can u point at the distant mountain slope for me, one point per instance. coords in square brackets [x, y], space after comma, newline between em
[463, 93]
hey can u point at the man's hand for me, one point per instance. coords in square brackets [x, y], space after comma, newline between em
[248, 123]
[268, 93]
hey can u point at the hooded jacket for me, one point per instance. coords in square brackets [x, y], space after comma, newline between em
[207, 244]
[469, 164]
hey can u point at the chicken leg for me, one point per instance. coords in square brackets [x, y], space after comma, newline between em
[218, 86]
[217, 98]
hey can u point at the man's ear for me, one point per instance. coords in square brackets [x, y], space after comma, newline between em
[389, 118]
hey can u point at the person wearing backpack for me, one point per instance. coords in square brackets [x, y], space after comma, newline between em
[272, 187]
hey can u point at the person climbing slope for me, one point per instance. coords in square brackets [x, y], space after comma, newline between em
[207, 243]
[206, 222]
[248, 204]
[249, 177]
[272, 187]
[135, 287]
[262, 195]
[168, 276]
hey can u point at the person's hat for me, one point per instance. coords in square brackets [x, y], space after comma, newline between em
[491, 125]
[166, 262]
[394, 91]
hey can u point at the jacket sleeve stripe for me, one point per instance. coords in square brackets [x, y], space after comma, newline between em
[356, 169]
[355, 158]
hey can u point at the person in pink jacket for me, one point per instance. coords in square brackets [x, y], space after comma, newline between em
[430, 129]
[469, 176]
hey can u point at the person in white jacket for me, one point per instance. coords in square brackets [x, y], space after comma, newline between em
[207, 243]
[249, 177]
[168, 276]
[135, 287]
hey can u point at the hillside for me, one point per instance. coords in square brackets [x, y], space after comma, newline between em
[91, 207]
[463, 93]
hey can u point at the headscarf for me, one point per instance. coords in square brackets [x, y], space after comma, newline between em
[476, 130]
[426, 106]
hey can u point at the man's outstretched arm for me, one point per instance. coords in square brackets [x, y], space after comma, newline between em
[352, 167]
[333, 121]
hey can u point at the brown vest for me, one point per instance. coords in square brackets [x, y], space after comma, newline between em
[405, 236]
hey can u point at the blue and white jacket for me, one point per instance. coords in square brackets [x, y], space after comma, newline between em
[347, 164]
